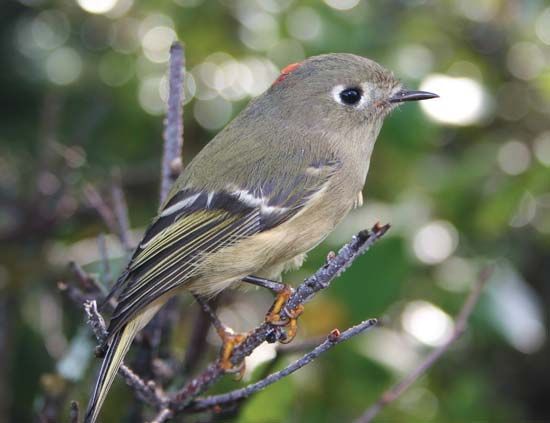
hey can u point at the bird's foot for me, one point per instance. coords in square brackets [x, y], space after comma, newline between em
[280, 316]
[230, 340]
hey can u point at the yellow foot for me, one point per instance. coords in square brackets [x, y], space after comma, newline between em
[289, 318]
[229, 342]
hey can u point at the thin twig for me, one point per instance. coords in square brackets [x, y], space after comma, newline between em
[197, 341]
[76, 295]
[162, 416]
[96, 201]
[74, 412]
[335, 266]
[267, 331]
[96, 321]
[460, 326]
[333, 339]
[85, 280]
[159, 328]
[212, 316]
[298, 346]
[173, 124]
[147, 391]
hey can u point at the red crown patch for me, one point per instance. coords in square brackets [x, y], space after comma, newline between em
[287, 70]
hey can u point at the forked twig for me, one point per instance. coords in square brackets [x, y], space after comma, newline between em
[320, 280]
[333, 339]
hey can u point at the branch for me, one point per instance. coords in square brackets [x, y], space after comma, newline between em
[97, 202]
[173, 124]
[147, 391]
[320, 280]
[460, 327]
[171, 168]
[333, 339]
[197, 340]
[74, 412]
[162, 416]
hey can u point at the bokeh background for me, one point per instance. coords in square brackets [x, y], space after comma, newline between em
[464, 180]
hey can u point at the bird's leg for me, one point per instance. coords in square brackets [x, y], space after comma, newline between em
[265, 283]
[277, 315]
[229, 338]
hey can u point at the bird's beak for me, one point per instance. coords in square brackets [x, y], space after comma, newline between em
[405, 95]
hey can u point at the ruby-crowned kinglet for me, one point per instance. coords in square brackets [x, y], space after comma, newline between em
[267, 189]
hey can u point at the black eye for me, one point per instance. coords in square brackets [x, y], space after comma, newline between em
[350, 96]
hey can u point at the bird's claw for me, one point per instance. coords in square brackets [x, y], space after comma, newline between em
[229, 342]
[283, 317]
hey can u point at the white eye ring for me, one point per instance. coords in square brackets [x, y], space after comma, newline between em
[340, 88]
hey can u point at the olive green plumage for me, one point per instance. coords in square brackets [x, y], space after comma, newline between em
[263, 192]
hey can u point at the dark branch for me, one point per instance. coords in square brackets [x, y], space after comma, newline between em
[333, 339]
[96, 201]
[460, 326]
[146, 391]
[74, 412]
[197, 340]
[158, 330]
[173, 124]
[268, 332]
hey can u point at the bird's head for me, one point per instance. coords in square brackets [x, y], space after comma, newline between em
[335, 92]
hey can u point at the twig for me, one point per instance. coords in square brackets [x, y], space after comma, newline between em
[209, 311]
[147, 391]
[74, 412]
[159, 328]
[298, 346]
[162, 416]
[197, 340]
[86, 281]
[75, 294]
[173, 124]
[98, 203]
[333, 339]
[185, 398]
[336, 265]
[268, 332]
[95, 321]
[460, 326]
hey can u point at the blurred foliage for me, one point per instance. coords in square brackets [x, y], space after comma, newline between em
[463, 180]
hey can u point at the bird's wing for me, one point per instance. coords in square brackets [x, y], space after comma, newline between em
[194, 222]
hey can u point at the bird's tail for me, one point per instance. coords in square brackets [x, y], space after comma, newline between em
[111, 363]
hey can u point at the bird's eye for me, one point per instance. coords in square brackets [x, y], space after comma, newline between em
[350, 96]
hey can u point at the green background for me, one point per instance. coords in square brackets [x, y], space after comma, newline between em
[464, 182]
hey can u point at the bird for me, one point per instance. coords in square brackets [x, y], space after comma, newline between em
[263, 192]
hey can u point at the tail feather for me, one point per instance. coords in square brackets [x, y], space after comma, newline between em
[109, 368]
